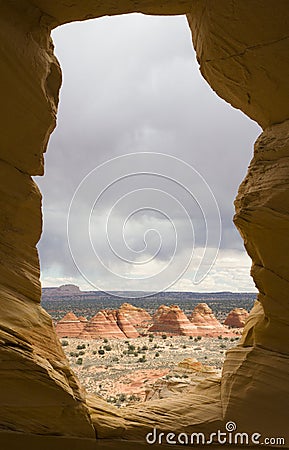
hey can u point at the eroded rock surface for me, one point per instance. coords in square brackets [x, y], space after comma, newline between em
[206, 322]
[236, 318]
[172, 320]
[242, 48]
[138, 317]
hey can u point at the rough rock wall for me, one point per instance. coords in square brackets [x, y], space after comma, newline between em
[39, 393]
[242, 47]
[262, 216]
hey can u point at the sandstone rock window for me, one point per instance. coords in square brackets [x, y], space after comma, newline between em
[243, 53]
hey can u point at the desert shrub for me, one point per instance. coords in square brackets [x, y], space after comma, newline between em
[157, 354]
[144, 348]
[142, 359]
[191, 337]
[222, 346]
[101, 351]
[184, 346]
[135, 354]
[105, 340]
[199, 337]
[107, 348]
[79, 361]
[220, 337]
[131, 347]
[133, 398]
[164, 336]
[82, 352]
[122, 398]
[64, 343]
[80, 346]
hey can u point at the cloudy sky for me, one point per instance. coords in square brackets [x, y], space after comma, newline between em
[149, 220]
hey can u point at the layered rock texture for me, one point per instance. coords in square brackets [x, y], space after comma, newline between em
[242, 48]
[104, 324]
[138, 317]
[205, 321]
[172, 321]
[129, 321]
[70, 325]
[236, 318]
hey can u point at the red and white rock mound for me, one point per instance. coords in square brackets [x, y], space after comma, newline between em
[205, 321]
[126, 326]
[69, 326]
[173, 321]
[102, 325]
[138, 317]
[109, 324]
[236, 318]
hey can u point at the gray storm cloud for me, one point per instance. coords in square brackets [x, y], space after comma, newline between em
[132, 84]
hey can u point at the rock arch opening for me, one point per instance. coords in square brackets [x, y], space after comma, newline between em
[152, 96]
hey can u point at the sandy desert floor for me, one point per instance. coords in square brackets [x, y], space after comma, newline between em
[127, 371]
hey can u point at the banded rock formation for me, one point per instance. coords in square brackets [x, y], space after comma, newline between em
[126, 326]
[236, 318]
[205, 321]
[69, 326]
[105, 324]
[172, 321]
[138, 317]
[102, 325]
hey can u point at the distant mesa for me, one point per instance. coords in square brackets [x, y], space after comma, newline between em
[69, 288]
[237, 318]
[61, 291]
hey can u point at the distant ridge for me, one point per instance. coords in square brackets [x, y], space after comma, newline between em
[61, 291]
